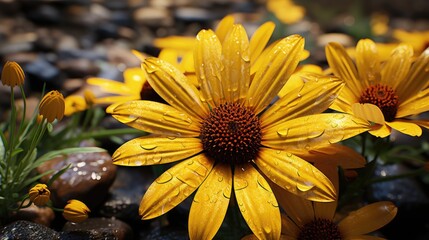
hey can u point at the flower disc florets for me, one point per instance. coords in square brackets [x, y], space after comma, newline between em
[383, 97]
[231, 134]
[320, 229]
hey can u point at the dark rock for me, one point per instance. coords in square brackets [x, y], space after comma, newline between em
[126, 193]
[164, 233]
[106, 30]
[410, 198]
[78, 68]
[35, 214]
[43, 14]
[88, 179]
[40, 71]
[27, 230]
[97, 228]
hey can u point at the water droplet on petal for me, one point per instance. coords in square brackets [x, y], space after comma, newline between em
[148, 147]
[164, 178]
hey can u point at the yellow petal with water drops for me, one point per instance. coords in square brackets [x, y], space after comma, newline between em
[150, 150]
[174, 87]
[367, 219]
[368, 62]
[208, 66]
[260, 39]
[418, 76]
[326, 210]
[236, 63]
[396, 68]
[299, 209]
[369, 112]
[155, 117]
[343, 67]
[405, 127]
[112, 86]
[224, 27]
[380, 131]
[174, 186]
[416, 104]
[134, 78]
[259, 62]
[115, 99]
[171, 56]
[315, 95]
[296, 80]
[313, 131]
[342, 103]
[295, 175]
[257, 202]
[210, 203]
[275, 70]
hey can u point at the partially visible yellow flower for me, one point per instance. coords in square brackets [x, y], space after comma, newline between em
[52, 106]
[419, 40]
[286, 10]
[73, 104]
[379, 23]
[12, 74]
[76, 211]
[39, 194]
[386, 93]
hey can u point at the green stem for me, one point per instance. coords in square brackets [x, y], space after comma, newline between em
[394, 177]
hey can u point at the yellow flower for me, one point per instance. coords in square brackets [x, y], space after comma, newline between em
[12, 74]
[76, 211]
[52, 106]
[387, 93]
[39, 194]
[73, 104]
[286, 10]
[228, 137]
[419, 40]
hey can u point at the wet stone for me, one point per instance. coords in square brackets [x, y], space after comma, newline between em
[27, 230]
[88, 179]
[35, 214]
[41, 70]
[78, 68]
[97, 228]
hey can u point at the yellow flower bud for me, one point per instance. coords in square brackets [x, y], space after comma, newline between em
[12, 74]
[76, 211]
[52, 106]
[39, 194]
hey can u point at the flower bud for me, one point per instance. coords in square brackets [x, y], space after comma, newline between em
[76, 211]
[12, 74]
[39, 194]
[52, 106]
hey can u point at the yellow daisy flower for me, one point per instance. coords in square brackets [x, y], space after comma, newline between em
[39, 194]
[387, 94]
[52, 106]
[227, 137]
[76, 211]
[419, 40]
[286, 10]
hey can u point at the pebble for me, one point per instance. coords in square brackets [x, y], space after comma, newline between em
[22, 229]
[97, 228]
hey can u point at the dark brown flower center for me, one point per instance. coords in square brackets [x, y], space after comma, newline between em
[320, 229]
[231, 134]
[383, 97]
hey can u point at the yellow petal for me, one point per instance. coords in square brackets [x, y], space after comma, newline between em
[381, 131]
[396, 68]
[257, 202]
[418, 76]
[224, 26]
[299, 209]
[155, 117]
[174, 87]
[313, 131]
[368, 112]
[423, 123]
[236, 63]
[343, 67]
[139, 55]
[295, 175]
[210, 203]
[368, 62]
[367, 219]
[276, 69]
[187, 63]
[364, 237]
[405, 127]
[150, 150]
[289, 228]
[175, 42]
[296, 80]
[171, 56]
[207, 56]
[134, 78]
[326, 210]
[174, 186]
[259, 62]
[260, 39]
[112, 86]
[314, 96]
[414, 105]
[115, 99]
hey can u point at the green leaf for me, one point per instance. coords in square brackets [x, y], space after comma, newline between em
[66, 151]
[49, 127]
[58, 174]
[34, 179]
[2, 149]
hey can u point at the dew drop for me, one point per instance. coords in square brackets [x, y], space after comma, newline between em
[148, 147]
